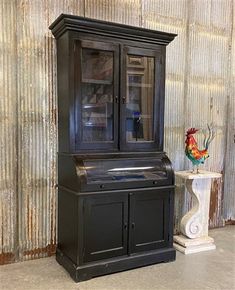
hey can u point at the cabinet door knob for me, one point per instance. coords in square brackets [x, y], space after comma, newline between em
[125, 226]
[116, 99]
[133, 225]
[123, 100]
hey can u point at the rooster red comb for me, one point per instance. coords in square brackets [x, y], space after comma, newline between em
[192, 131]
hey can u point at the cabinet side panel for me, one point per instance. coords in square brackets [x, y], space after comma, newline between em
[63, 92]
[171, 216]
[67, 175]
[68, 224]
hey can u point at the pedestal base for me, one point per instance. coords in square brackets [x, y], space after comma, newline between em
[190, 246]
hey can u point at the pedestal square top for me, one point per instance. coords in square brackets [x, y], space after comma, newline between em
[187, 174]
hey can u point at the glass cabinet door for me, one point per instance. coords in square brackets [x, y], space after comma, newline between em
[140, 95]
[98, 84]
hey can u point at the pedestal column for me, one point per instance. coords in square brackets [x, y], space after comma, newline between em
[194, 224]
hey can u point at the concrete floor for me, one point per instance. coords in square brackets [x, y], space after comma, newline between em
[205, 270]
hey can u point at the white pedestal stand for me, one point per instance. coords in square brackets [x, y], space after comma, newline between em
[194, 224]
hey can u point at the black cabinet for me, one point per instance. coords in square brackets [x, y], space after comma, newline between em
[142, 104]
[110, 86]
[96, 84]
[149, 220]
[115, 182]
[105, 226]
[125, 223]
[109, 118]
[105, 232]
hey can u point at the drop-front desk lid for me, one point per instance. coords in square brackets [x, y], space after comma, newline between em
[105, 174]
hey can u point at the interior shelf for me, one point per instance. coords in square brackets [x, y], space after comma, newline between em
[140, 85]
[94, 81]
[91, 106]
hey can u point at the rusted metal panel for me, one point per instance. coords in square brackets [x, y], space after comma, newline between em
[6, 258]
[8, 138]
[229, 186]
[124, 11]
[199, 89]
[37, 124]
[207, 84]
[216, 202]
[196, 83]
[163, 12]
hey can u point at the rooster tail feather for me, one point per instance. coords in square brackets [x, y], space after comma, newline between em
[205, 138]
[211, 136]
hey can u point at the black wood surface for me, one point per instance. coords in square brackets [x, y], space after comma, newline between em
[69, 46]
[102, 46]
[98, 27]
[68, 173]
[119, 225]
[149, 220]
[68, 224]
[105, 226]
[158, 100]
[90, 270]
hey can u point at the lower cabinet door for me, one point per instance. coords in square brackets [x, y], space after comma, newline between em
[149, 220]
[105, 226]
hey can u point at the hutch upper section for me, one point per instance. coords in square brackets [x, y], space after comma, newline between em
[111, 80]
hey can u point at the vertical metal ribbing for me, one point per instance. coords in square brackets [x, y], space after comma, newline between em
[197, 92]
[229, 168]
[125, 11]
[8, 148]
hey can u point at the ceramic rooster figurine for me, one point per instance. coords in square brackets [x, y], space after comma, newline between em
[192, 151]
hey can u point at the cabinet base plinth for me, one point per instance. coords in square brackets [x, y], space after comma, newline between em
[191, 246]
[99, 268]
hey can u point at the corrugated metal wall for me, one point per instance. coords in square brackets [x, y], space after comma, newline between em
[200, 78]
[8, 134]
[229, 189]
[207, 87]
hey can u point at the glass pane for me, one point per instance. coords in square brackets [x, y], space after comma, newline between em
[139, 98]
[100, 171]
[97, 95]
